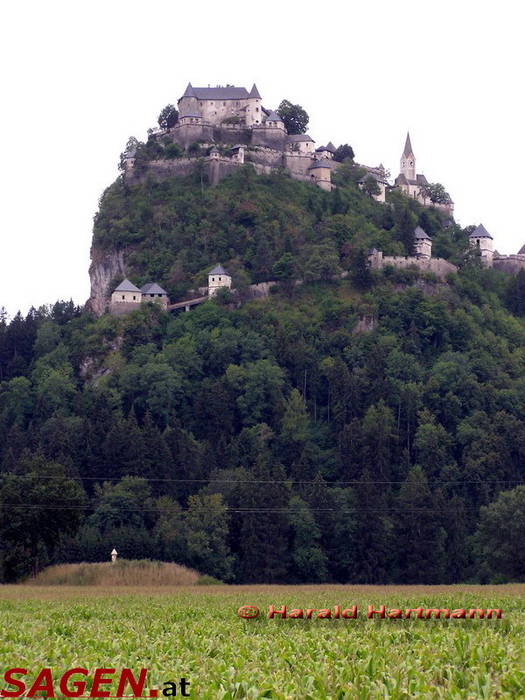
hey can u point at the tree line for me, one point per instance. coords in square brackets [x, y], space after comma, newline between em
[282, 441]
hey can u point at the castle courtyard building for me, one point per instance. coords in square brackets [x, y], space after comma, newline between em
[214, 105]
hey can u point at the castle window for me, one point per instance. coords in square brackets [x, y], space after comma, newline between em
[257, 109]
[213, 279]
[123, 297]
[220, 279]
[134, 298]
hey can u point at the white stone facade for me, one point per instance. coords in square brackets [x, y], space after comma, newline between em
[481, 239]
[218, 278]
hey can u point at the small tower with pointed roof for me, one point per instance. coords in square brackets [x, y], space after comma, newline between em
[408, 160]
[126, 293]
[218, 277]
[422, 244]
[188, 103]
[254, 107]
[481, 239]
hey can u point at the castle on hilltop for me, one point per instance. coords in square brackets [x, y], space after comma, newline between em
[219, 129]
[229, 126]
[232, 127]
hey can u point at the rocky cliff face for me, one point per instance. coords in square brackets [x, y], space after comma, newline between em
[105, 266]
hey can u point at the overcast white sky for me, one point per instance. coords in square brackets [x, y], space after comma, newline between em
[78, 78]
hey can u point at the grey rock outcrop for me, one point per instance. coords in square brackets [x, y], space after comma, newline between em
[105, 266]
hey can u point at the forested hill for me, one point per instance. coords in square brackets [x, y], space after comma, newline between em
[173, 230]
[366, 429]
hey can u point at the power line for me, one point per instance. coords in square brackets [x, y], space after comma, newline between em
[38, 477]
[234, 509]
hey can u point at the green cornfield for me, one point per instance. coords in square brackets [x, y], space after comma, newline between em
[195, 633]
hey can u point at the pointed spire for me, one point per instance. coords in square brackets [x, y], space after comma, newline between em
[189, 92]
[254, 92]
[480, 232]
[408, 147]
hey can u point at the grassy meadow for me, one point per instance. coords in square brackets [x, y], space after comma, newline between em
[193, 631]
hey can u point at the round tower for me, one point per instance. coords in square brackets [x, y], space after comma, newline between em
[188, 104]
[321, 174]
[253, 107]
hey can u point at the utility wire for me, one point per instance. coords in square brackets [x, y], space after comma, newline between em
[233, 509]
[38, 477]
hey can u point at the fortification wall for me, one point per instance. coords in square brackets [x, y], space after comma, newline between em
[265, 157]
[220, 168]
[122, 308]
[298, 165]
[509, 263]
[438, 266]
[270, 137]
[186, 134]
[231, 135]
[261, 289]
[165, 168]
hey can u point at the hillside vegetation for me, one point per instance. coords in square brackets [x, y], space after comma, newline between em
[120, 573]
[367, 429]
[173, 230]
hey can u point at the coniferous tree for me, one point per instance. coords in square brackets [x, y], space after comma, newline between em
[421, 557]
[515, 294]
[308, 560]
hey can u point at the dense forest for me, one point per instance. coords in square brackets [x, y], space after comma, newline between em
[363, 429]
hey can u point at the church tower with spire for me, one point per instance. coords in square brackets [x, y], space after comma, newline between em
[408, 161]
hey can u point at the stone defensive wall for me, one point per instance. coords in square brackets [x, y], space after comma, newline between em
[227, 134]
[298, 165]
[122, 308]
[263, 156]
[438, 266]
[216, 169]
[509, 263]
[165, 168]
